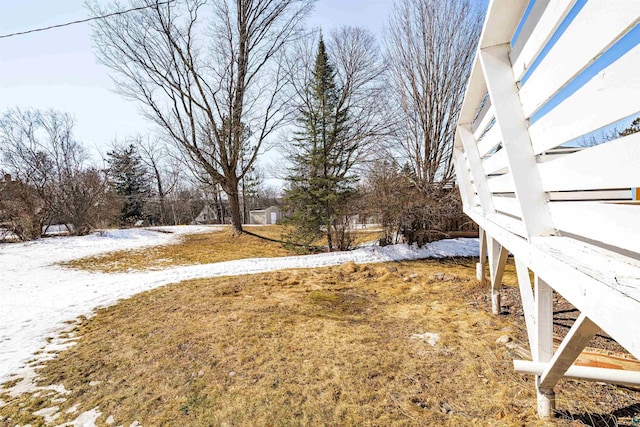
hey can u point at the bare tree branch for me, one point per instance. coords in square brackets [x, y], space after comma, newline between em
[431, 46]
[204, 70]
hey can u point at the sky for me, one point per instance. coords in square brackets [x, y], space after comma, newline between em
[57, 68]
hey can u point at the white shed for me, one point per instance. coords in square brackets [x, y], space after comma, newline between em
[270, 215]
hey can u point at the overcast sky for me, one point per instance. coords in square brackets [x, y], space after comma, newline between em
[57, 68]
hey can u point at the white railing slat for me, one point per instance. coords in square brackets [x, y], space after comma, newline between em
[609, 223]
[553, 15]
[600, 167]
[608, 97]
[609, 195]
[496, 163]
[481, 125]
[462, 176]
[508, 205]
[501, 184]
[477, 173]
[489, 142]
[564, 60]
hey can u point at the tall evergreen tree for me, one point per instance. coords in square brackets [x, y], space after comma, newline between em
[130, 180]
[319, 180]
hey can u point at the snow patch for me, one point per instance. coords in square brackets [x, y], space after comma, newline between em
[49, 414]
[85, 419]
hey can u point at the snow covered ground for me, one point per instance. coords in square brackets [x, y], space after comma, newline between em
[37, 297]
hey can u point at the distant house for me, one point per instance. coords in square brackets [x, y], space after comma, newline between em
[10, 192]
[270, 215]
[207, 215]
[6, 182]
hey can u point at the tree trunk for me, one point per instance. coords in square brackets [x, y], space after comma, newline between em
[244, 204]
[236, 215]
[160, 193]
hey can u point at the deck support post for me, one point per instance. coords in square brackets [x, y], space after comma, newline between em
[543, 349]
[580, 334]
[546, 402]
[480, 266]
[497, 262]
[528, 301]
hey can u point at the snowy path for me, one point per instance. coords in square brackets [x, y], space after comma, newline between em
[37, 297]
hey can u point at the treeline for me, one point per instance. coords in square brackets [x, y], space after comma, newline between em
[48, 179]
[366, 130]
[374, 126]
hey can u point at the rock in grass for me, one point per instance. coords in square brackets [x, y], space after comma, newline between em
[504, 339]
[446, 408]
[443, 277]
[428, 337]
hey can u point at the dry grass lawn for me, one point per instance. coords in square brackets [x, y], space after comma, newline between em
[333, 346]
[203, 248]
[192, 249]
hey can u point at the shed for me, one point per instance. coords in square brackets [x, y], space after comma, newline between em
[270, 215]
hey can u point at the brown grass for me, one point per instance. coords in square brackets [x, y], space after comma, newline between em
[201, 249]
[192, 249]
[328, 346]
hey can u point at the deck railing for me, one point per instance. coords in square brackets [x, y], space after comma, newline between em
[549, 75]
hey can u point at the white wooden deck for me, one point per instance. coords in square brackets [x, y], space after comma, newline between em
[548, 72]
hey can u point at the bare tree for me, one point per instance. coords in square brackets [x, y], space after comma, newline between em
[39, 150]
[387, 196]
[431, 46]
[32, 143]
[360, 71]
[599, 137]
[85, 201]
[204, 74]
[163, 170]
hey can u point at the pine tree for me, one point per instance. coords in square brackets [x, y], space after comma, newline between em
[319, 180]
[130, 180]
[633, 128]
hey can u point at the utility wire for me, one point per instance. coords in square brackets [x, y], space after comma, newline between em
[81, 21]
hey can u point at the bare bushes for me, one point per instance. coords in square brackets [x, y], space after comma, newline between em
[407, 212]
[431, 215]
[22, 212]
[53, 183]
